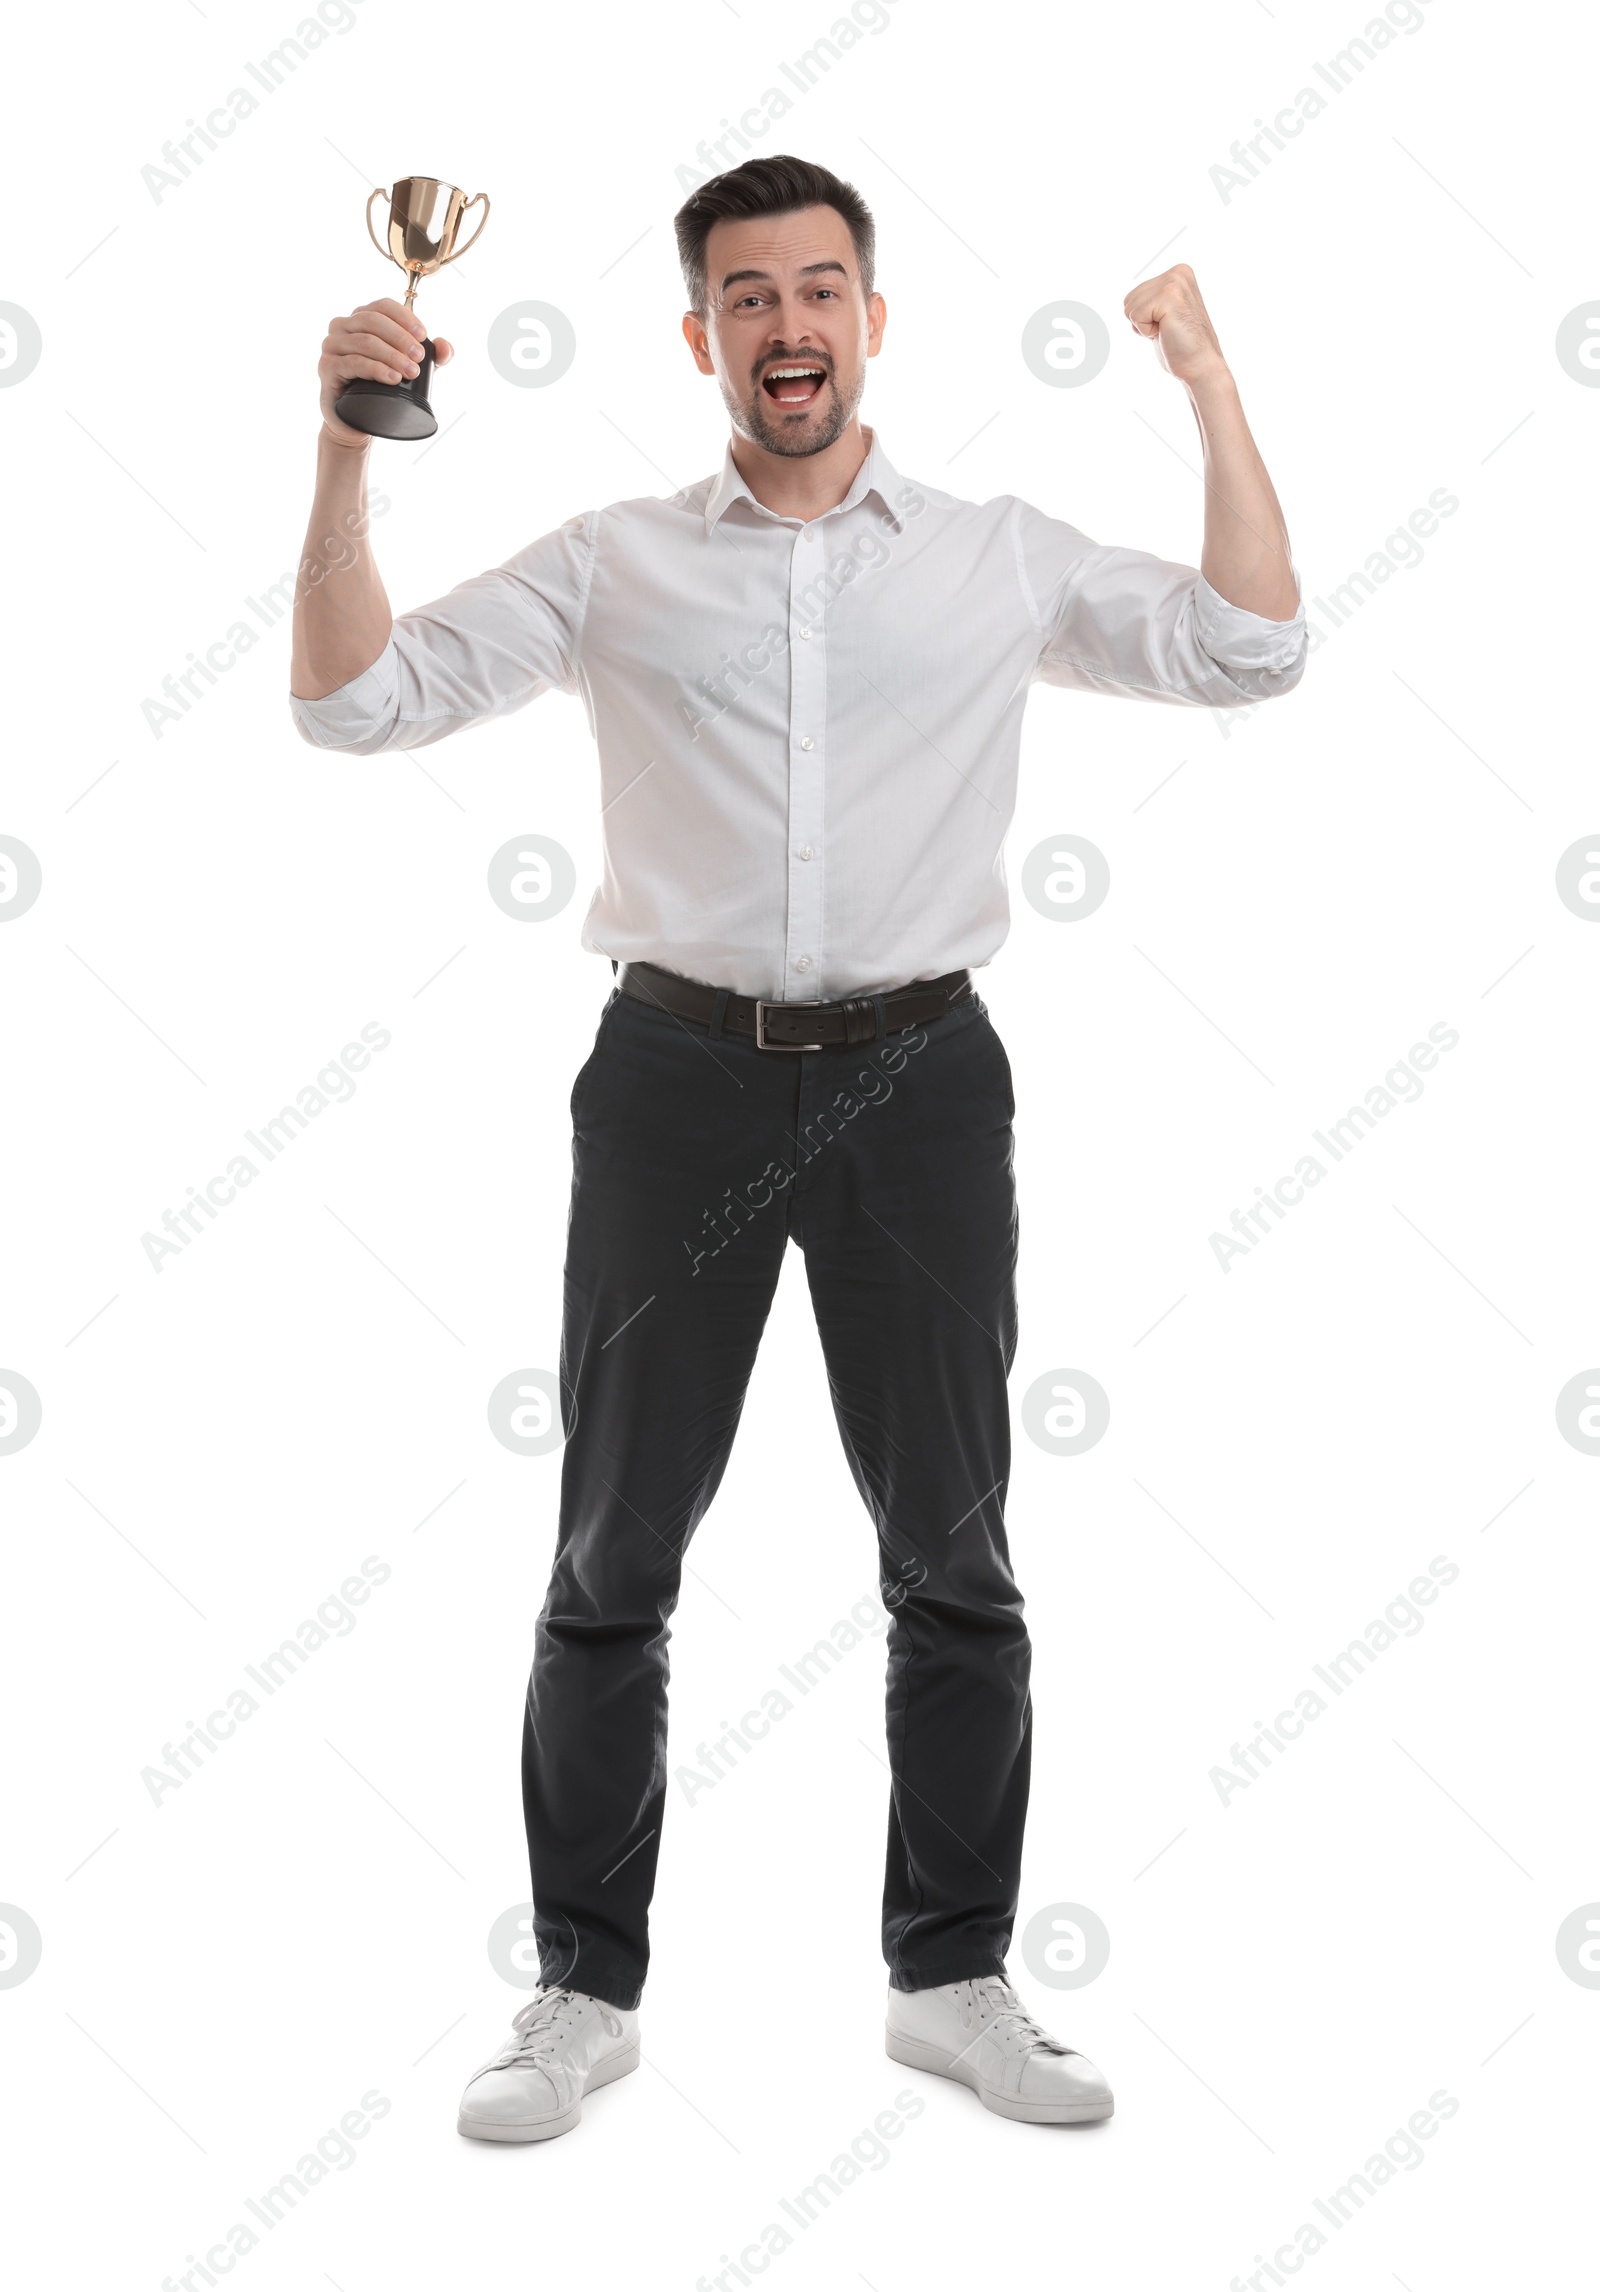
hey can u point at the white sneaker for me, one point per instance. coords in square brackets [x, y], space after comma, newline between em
[980, 2034]
[566, 2044]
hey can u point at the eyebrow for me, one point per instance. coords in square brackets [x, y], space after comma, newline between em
[808, 270]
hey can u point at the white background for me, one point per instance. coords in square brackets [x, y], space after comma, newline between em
[1292, 1974]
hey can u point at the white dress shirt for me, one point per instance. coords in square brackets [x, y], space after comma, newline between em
[808, 733]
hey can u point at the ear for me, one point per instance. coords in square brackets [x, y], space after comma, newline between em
[694, 334]
[877, 318]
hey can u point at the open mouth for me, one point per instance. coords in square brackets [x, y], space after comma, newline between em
[794, 385]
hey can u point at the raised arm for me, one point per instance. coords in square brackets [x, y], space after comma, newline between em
[341, 613]
[1246, 552]
[363, 681]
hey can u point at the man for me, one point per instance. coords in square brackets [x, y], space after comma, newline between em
[806, 679]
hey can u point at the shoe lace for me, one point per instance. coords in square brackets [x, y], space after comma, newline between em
[1007, 2011]
[538, 2026]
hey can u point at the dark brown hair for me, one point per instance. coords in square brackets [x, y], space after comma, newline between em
[780, 185]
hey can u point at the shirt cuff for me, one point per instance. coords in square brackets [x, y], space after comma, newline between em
[1238, 639]
[356, 710]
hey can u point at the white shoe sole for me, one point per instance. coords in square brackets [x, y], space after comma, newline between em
[916, 2054]
[559, 2121]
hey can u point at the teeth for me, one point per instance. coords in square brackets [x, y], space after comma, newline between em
[794, 373]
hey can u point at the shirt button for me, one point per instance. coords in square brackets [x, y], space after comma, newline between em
[808, 742]
[805, 632]
[806, 852]
[803, 963]
[807, 534]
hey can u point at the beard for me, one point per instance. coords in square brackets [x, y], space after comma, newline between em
[763, 421]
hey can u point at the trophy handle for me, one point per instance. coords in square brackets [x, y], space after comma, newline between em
[371, 233]
[483, 198]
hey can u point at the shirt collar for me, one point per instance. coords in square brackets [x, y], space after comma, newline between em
[876, 475]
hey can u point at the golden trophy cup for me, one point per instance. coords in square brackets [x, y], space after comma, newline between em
[424, 223]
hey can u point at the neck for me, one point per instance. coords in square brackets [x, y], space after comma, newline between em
[802, 485]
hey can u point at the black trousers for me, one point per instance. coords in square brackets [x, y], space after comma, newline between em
[696, 1159]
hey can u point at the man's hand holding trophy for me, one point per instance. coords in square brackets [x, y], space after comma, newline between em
[377, 363]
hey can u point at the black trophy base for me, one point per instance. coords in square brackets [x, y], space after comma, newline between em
[390, 409]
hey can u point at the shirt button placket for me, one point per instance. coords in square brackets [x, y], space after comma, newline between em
[808, 708]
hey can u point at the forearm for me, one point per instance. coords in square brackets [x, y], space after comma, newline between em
[341, 611]
[1246, 553]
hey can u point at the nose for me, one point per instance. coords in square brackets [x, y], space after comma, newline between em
[783, 319]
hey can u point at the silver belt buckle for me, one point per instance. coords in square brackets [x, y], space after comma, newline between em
[761, 1034]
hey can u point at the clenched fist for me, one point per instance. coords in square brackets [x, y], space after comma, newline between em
[1168, 311]
[378, 342]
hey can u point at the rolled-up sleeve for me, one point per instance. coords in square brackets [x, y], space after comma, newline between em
[1121, 621]
[487, 648]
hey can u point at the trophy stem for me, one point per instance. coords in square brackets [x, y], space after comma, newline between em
[411, 290]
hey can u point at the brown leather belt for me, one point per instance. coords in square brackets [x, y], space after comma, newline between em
[794, 1026]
